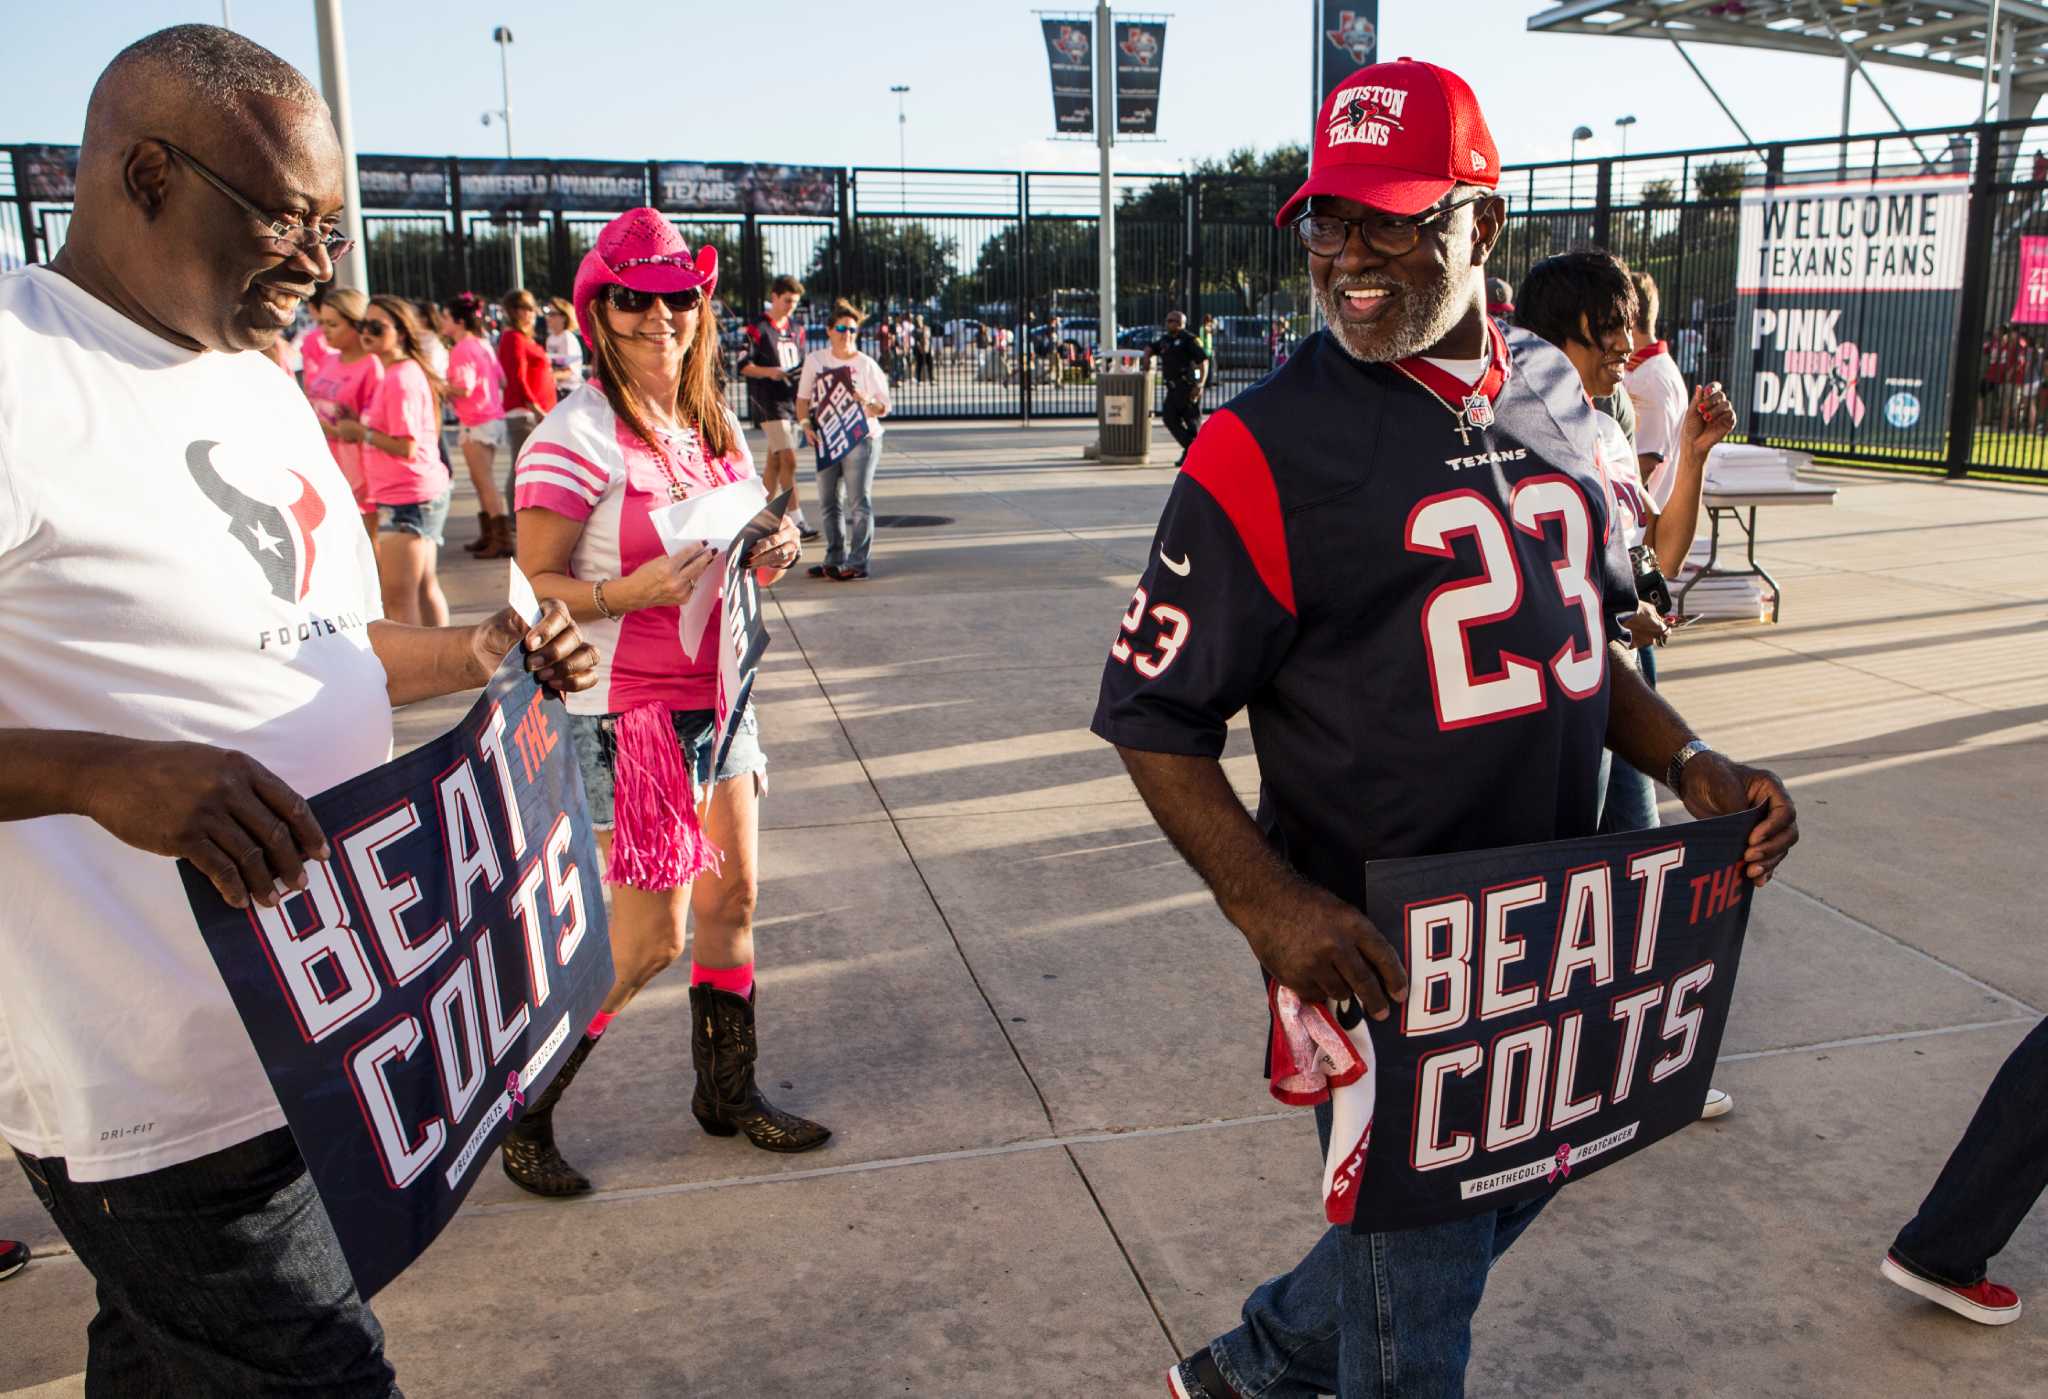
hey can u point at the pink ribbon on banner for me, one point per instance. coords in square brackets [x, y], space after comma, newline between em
[1562, 1170]
[1842, 392]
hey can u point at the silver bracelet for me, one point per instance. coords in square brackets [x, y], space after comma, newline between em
[597, 597]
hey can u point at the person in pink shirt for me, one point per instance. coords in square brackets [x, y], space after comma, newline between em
[311, 343]
[342, 387]
[476, 389]
[402, 467]
[651, 427]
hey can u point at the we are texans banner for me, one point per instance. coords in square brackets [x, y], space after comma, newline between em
[1565, 1009]
[430, 981]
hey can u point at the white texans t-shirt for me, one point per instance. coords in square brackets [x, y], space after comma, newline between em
[180, 559]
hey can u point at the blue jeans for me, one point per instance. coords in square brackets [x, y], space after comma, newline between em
[1370, 1316]
[1631, 803]
[1993, 1177]
[849, 528]
[219, 1276]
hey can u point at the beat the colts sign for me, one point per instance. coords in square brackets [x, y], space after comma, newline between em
[1565, 1009]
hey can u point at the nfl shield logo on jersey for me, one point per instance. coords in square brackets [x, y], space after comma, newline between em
[1479, 410]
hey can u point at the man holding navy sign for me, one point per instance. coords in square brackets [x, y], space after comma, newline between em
[1396, 553]
[195, 610]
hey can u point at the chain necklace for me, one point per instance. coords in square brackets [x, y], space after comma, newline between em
[1476, 408]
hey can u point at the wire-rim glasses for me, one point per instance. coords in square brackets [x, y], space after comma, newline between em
[294, 235]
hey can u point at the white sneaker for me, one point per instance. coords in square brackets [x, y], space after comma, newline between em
[1718, 1104]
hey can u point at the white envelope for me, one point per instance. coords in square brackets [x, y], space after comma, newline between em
[712, 518]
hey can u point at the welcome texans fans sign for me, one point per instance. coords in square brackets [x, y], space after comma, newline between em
[1565, 1009]
[435, 973]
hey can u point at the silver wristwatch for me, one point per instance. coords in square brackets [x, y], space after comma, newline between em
[1676, 769]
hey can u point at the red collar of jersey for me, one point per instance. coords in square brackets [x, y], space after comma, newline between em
[1449, 387]
[1647, 353]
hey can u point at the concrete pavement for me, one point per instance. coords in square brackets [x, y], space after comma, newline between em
[1041, 1183]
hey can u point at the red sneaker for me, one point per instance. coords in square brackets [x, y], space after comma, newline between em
[1988, 1303]
[13, 1257]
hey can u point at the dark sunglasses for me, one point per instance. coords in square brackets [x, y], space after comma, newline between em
[634, 302]
[846, 329]
[373, 327]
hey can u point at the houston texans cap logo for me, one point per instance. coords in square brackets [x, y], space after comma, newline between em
[281, 543]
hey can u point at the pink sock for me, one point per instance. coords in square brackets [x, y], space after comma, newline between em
[599, 1022]
[738, 980]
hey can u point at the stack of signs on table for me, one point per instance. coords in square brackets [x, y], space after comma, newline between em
[838, 419]
[1565, 1008]
[732, 519]
[434, 975]
[1737, 467]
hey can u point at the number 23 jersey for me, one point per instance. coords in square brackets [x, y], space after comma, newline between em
[1415, 619]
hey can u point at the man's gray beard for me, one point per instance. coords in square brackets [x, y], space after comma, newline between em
[1421, 316]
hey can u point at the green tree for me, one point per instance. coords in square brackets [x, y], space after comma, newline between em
[1657, 193]
[1720, 180]
[891, 264]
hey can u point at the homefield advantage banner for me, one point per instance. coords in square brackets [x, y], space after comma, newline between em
[438, 969]
[1565, 1008]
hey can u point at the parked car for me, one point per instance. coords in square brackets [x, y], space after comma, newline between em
[1138, 337]
[1244, 342]
[1077, 331]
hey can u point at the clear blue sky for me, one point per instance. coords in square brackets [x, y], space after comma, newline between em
[803, 82]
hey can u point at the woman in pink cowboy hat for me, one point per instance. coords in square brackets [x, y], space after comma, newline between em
[650, 428]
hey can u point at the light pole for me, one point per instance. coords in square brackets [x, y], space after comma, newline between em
[902, 160]
[1624, 123]
[354, 270]
[1579, 133]
[502, 37]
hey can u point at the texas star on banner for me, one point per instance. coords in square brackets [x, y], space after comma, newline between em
[433, 976]
[1565, 1009]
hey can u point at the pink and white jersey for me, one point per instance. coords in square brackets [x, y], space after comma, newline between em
[1624, 481]
[476, 382]
[584, 464]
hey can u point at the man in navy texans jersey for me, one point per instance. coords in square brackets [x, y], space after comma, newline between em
[1397, 553]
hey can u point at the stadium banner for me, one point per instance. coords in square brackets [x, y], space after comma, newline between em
[2030, 301]
[1848, 299]
[838, 419]
[403, 182]
[46, 174]
[1347, 39]
[1565, 1008]
[1071, 53]
[508, 186]
[706, 187]
[434, 975]
[1140, 57]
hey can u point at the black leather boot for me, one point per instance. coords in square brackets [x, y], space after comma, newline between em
[726, 1101]
[529, 1154]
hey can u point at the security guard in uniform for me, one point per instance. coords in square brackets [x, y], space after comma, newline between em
[1186, 366]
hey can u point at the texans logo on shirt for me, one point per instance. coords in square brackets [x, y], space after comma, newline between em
[280, 543]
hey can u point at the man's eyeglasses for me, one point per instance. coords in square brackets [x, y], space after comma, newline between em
[633, 302]
[1386, 234]
[846, 329]
[289, 234]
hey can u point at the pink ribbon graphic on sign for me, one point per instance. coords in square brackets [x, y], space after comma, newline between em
[1562, 1170]
[515, 1093]
[1842, 385]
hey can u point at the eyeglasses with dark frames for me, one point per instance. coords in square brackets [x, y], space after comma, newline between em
[1389, 235]
[294, 235]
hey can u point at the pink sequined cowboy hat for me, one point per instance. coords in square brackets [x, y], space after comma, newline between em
[642, 250]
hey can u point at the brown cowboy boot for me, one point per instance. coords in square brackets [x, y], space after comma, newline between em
[480, 545]
[498, 539]
[726, 1101]
[529, 1154]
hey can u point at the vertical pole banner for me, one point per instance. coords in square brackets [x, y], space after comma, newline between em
[1848, 294]
[1140, 56]
[1069, 51]
[1349, 40]
[1565, 1008]
[435, 973]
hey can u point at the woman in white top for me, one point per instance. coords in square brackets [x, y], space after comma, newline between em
[565, 345]
[850, 478]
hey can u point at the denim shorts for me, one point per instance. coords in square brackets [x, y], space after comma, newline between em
[427, 518]
[596, 751]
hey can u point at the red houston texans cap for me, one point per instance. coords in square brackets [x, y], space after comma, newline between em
[1398, 136]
